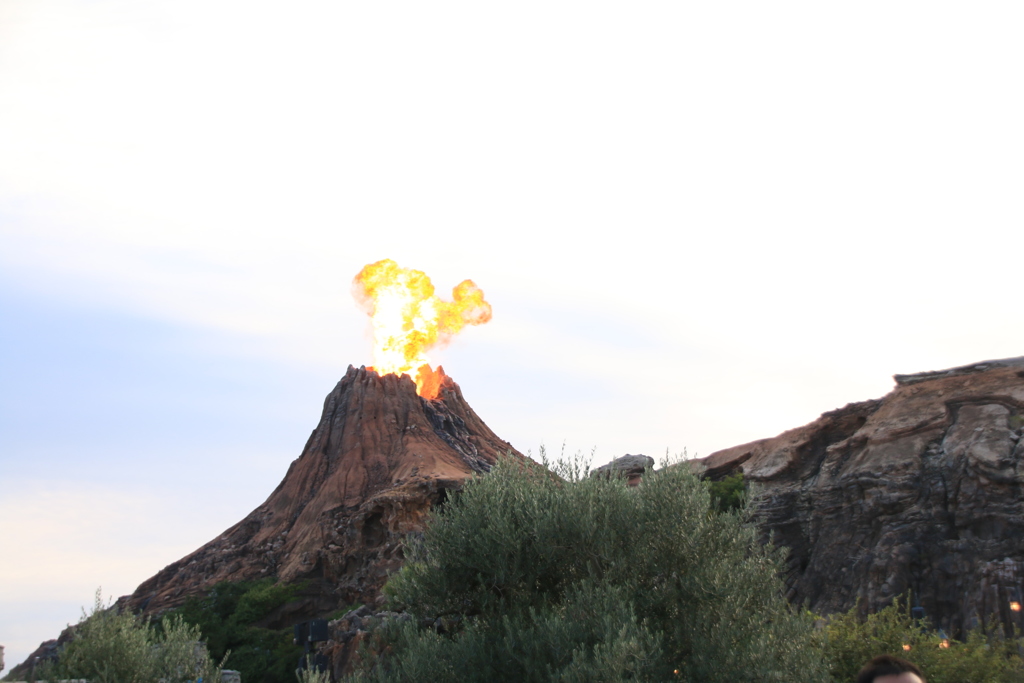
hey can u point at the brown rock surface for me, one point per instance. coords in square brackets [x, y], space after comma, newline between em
[920, 490]
[377, 462]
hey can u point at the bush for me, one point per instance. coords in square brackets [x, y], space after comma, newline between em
[113, 646]
[729, 493]
[592, 636]
[226, 616]
[850, 642]
[310, 674]
[572, 578]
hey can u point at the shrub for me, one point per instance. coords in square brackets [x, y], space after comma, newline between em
[226, 617]
[592, 636]
[310, 674]
[729, 493]
[114, 646]
[572, 578]
[981, 658]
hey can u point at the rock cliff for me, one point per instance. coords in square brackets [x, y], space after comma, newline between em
[369, 474]
[922, 490]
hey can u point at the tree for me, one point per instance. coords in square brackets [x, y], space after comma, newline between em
[537, 577]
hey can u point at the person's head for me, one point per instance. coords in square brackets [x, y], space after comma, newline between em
[889, 669]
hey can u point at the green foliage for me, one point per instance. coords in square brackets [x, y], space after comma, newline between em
[592, 635]
[850, 642]
[1016, 421]
[226, 616]
[729, 493]
[572, 578]
[111, 646]
[597, 633]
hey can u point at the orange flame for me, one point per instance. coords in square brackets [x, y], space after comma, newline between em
[408, 319]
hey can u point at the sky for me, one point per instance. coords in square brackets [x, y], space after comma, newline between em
[698, 224]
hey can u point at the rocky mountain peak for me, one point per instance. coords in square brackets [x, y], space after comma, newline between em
[379, 459]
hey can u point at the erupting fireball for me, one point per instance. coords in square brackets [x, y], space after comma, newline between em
[408, 319]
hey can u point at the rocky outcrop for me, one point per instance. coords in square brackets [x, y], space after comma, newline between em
[378, 461]
[355, 631]
[922, 491]
[630, 467]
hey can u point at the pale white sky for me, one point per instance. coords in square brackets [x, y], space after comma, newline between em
[698, 224]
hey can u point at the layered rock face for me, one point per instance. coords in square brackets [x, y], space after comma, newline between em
[922, 490]
[377, 462]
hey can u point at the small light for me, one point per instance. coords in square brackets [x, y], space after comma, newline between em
[1014, 605]
[944, 644]
[675, 671]
[906, 647]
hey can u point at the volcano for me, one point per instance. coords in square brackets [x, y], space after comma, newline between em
[379, 460]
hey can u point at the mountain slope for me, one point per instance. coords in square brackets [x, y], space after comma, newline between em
[370, 472]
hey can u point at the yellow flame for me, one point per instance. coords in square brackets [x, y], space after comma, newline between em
[408, 319]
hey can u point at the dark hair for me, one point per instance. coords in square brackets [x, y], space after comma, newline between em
[887, 665]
